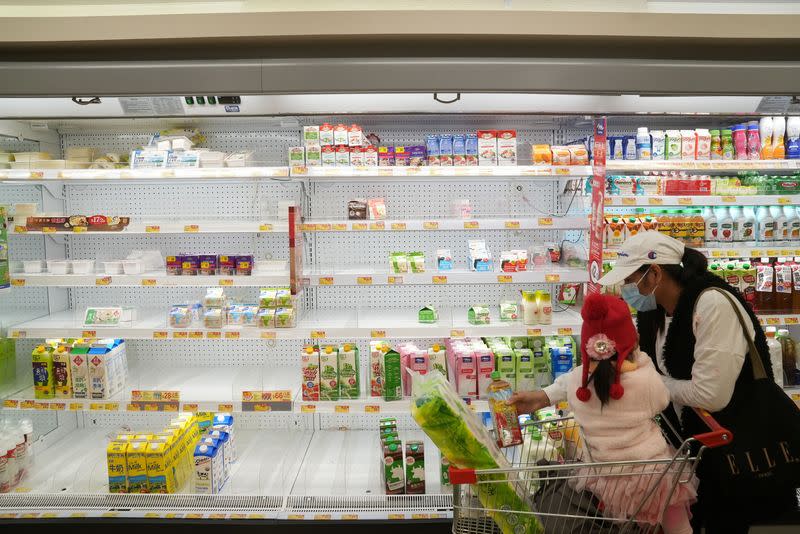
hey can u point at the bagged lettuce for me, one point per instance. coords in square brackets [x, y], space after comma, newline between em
[465, 442]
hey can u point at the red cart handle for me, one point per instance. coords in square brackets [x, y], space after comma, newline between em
[462, 476]
[718, 436]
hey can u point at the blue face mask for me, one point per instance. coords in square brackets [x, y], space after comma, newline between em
[637, 301]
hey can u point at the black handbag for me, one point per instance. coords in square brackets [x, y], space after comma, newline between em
[763, 458]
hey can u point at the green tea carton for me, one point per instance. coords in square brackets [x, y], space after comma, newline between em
[506, 365]
[437, 359]
[42, 360]
[526, 378]
[541, 362]
[427, 314]
[478, 314]
[518, 342]
[349, 375]
[393, 468]
[328, 373]
[391, 373]
[415, 468]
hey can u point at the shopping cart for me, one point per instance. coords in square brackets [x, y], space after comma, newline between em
[551, 476]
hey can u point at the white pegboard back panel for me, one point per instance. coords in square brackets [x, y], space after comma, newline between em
[12, 144]
[154, 297]
[154, 420]
[209, 353]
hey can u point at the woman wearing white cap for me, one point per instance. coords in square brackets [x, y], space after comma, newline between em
[697, 343]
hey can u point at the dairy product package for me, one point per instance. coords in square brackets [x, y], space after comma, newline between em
[79, 371]
[326, 134]
[328, 373]
[415, 467]
[506, 147]
[311, 135]
[487, 147]
[689, 144]
[328, 155]
[375, 367]
[471, 149]
[658, 150]
[526, 378]
[446, 150]
[459, 150]
[309, 363]
[437, 359]
[507, 365]
[62, 379]
[42, 361]
[136, 466]
[486, 365]
[391, 374]
[466, 371]
[417, 361]
[224, 422]
[432, 149]
[117, 467]
[349, 374]
[673, 144]
[297, 156]
[208, 469]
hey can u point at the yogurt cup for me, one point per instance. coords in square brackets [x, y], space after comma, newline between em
[82, 266]
[112, 267]
[132, 266]
[32, 266]
[58, 266]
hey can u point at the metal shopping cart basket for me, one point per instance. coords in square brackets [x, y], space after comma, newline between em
[548, 482]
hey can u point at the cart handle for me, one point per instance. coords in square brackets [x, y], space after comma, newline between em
[718, 436]
[462, 476]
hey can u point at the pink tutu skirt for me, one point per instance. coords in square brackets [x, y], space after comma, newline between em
[621, 489]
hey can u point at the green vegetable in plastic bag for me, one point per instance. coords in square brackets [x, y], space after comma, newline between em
[465, 443]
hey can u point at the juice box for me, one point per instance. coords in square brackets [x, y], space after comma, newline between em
[371, 156]
[328, 155]
[159, 480]
[62, 379]
[393, 467]
[328, 373]
[42, 361]
[485, 360]
[446, 150]
[313, 155]
[507, 365]
[526, 377]
[309, 363]
[375, 367]
[117, 467]
[471, 151]
[432, 148]
[340, 135]
[342, 156]
[437, 359]
[349, 375]
[297, 156]
[466, 374]
[136, 465]
[415, 467]
[391, 373]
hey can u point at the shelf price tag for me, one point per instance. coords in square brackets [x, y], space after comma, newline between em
[377, 334]
[364, 280]
[628, 201]
[152, 229]
[471, 225]
[728, 198]
[89, 333]
[48, 230]
[377, 226]
[190, 407]
[545, 221]
[396, 517]
[295, 517]
[268, 335]
[784, 200]
[76, 406]
[609, 254]
[322, 517]
[149, 282]
[792, 320]
[756, 253]
[565, 331]
[655, 201]
[716, 253]
[398, 226]
[341, 408]
[58, 406]
[562, 171]
[772, 252]
[504, 279]
[10, 403]
[160, 334]
[340, 227]
[191, 228]
[78, 229]
[323, 227]
[552, 278]
[685, 201]
[195, 334]
[27, 405]
[773, 320]
[102, 281]
[17, 282]
[227, 282]
[232, 335]
[308, 408]
[326, 280]
[534, 332]
[372, 408]
[265, 228]
[512, 225]
[456, 333]
[308, 227]
[225, 407]
[318, 334]
[439, 279]
[349, 517]
[214, 335]
[41, 406]
[19, 229]
[18, 334]
[359, 226]
[430, 225]
[394, 280]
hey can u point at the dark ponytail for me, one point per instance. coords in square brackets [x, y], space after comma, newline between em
[603, 376]
[694, 265]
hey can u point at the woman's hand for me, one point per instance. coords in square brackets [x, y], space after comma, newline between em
[529, 401]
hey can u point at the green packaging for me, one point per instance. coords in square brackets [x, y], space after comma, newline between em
[541, 362]
[509, 310]
[416, 262]
[391, 372]
[444, 471]
[328, 373]
[393, 468]
[415, 468]
[349, 376]
[507, 365]
[526, 377]
[399, 262]
[518, 342]
[428, 314]
[478, 314]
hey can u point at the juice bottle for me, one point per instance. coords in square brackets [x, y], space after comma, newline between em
[716, 144]
[725, 224]
[680, 226]
[665, 223]
[793, 223]
[697, 228]
[711, 225]
[781, 223]
[504, 415]
[775, 355]
[766, 224]
[765, 287]
[749, 229]
[747, 281]
[783, 286]
[727, 144]
[789, 357]
[796, 285]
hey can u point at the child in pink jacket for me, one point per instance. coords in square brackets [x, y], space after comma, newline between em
[615, 394]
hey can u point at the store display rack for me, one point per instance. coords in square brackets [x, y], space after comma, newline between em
[701, 200]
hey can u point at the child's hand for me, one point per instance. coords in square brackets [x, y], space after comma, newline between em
[529, 401]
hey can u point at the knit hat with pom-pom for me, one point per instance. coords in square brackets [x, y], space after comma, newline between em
[607, 331]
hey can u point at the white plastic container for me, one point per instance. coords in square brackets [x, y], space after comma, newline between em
[58, 266]
[27, 157]
[32, 266]
[643, 144]
[132, 266]
[112, 267]
[82, 266]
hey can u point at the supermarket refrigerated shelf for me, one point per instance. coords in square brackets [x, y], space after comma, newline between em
[425, 173]
[655, 201]
[399, 225]
[369, 276]
[701, 165]
[148, 279]
[736, 251]
[128, 176]
[315, 325]
[168, 226]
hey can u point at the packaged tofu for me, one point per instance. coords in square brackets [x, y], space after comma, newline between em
[329, 373]
[487, 147]
[349, 373]
[297, 156]
[285, 318]
[506, 147]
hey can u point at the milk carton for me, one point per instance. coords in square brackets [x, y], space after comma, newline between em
[98, 373]
[393, 467]
[526, 378]
[311, 135]
[507, 365]
[541, 363]
[328, 373]
[391, 373]
[466, 371]
[437, 359]
[415, 467]
[485, 360]
[375, 366]
[507, 147]
[208, 469]
[224, 422]
[62, 379]
[417, 362]
[79, 371]
[349, 372]
[487, 147]
[117, 467]
[42, 361]
[159, 479]
[136, 465]
[309, 363]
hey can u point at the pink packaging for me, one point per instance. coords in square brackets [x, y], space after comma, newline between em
[370, 156]
[689, 144]
[753, 141]
[740, 141]
[417, 362]
[485, 360]
[466, 371]
[703, 144]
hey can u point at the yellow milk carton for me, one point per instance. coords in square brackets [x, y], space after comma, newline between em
[117, 467]
[42, 360]
[160, 478]
[62, 372]
[136, 463]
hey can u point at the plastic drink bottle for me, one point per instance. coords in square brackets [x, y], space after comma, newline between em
[791, 359]
[781, 222]
[710, 220]
[643, 144]
[778, 131]
[793, 223]
[724, 224]
[766, 224]
[749, 224]
[739, 132]
[753, 141]
[504, 415]
[727, 144]
[765, 132]
[775, 355]
[793, 138]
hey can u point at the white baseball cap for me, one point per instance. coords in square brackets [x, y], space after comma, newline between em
[645, 248]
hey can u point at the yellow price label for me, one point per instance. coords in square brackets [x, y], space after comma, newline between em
[17, 282]
[227, 407]
[27, 404]
[439, 279]
[89, 333]
[457, 333]
[41, 406]
[565, 331]
[191, 228]
[160, 334]
[19, 229]
[471, 225]
[341, 408]
[398, 226]
[732, 253]
[58, 406]
[217, 516]
[152, 229]
[430, 225]
[112, 406]
[372, 408]
[18, 334]
[323, 227]
[359, 226]
[262, 407]
[773, 320]
[102, 281]
[180, 335]
[728, 198]
[49, 230]
[552, 278]
[784, 200]
[340, 227]
[97, 407]
[308, 408]
[190, 407]
[214, 335]
[227, 282]
[349, 517]
[268, 335]
[149, 282]
[396, 517]
[394, 280]
[786, 252]
[756, 253]
[10, 403]
[78, 229]
[318, 334]
[364, 280]
[152, 515]
[195, 334]
[655, 201]
[545, 221]
[295, 517]
[194, 516]
[322, 517]
[628, 201]
[76, 406]
[685, 201]
[307, 227]
[562, 171]
[716, 253]
[265, 228]
[792, 320]
[377, 334]
[232, 335]
[534, 332]
[504, 278]
[420, 516]
[377, 226]
[326, 280]
[772, 252]
[512, 225]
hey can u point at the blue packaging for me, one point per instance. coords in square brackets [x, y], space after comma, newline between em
[459, 150]
[471, 149]
[629, 143]
[432, 148]
[561, 361]
[617, 150]
[446, 149]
